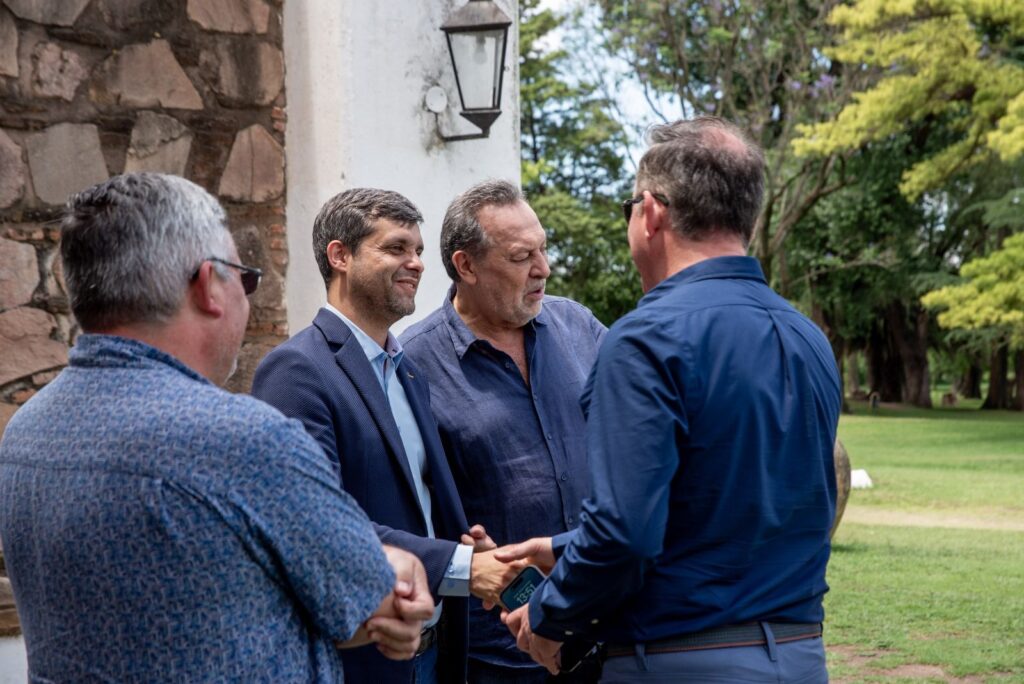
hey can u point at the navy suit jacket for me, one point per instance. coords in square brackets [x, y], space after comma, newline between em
[322, 377]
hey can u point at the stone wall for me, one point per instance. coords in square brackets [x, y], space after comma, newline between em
[93, 88]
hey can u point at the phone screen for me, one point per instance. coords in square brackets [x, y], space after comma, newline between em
[519, 590]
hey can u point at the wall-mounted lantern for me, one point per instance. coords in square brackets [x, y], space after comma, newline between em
[477, 35]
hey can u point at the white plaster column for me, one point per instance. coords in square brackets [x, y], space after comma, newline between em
[13, 661]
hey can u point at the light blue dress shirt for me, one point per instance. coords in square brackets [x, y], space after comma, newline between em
[385, 361]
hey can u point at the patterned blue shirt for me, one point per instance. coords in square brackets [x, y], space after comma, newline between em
[158, 528]
[517, 451]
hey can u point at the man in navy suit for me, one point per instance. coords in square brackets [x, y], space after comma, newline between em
[345, 378]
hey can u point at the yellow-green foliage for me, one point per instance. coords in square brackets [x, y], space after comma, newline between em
[933, 61]
[992, 297]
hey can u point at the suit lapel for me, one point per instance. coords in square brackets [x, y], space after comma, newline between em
[353, 362]
[447, 505]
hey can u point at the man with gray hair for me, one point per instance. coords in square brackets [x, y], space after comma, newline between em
[347, 379]
[712, 416]
[156, 527]
[506, 365]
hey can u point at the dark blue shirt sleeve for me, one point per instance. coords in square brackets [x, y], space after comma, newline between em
[635, 423]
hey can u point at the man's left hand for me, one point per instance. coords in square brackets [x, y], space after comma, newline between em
[543, 651]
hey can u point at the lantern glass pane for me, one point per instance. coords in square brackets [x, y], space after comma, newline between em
[478, 62]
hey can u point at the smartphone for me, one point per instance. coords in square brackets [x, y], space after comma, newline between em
[520, 589]
[518, 593]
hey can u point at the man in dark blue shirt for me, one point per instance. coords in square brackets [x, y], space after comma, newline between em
[506, 366]
[712, 414]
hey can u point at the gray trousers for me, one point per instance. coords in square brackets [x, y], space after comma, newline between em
[794, 662]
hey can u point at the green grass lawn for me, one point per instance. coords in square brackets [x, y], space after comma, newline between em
[968, 460]
[944, 597]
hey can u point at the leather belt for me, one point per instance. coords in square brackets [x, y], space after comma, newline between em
[428, 638]
[729, 636]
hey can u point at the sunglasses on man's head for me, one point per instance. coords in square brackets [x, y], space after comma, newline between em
[627, 205]
[250, 276]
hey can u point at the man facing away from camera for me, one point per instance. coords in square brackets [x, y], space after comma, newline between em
[506, 365]
[711, 419]
[156, 527]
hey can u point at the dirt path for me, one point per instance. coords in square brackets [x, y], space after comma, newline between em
[862, 663]
[871, 515]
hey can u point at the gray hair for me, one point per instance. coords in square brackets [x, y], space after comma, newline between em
[711, 172]
[461, 229]
[348, 218]
[131, 244]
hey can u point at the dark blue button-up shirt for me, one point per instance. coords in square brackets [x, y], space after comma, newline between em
[712, 413]
[517, 452]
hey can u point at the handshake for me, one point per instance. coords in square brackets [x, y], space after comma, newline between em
[396, 625]
[497, 568]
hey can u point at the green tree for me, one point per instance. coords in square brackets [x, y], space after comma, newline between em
[986, 308]
[954, 64]
[573, 171]
[758, 63]
[860, 253]
[992, 296]
[949, 74]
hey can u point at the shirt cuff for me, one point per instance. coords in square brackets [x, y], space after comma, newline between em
[456, 578]
[560, 541]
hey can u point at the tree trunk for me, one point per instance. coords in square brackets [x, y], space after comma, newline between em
[853, 375]
[1018, 380]
[838, 344]
[884, 368]
[969, 384]
[909, 332]
[998, 388]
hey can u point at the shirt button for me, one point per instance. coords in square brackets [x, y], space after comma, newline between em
[508, 366]
[570, 520]
[549, 437]
[564, 477]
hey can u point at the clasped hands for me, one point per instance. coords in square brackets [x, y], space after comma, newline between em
[396, 625]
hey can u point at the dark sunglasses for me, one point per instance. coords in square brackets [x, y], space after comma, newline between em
[250, 276]
[627, 205]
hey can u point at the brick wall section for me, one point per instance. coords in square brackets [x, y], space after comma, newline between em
[94, 88]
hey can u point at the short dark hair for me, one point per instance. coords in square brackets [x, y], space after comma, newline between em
[461, 229]
[711, 172]
[348, 218]
[131, 243]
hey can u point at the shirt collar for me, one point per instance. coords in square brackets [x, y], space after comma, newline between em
[462, 337]
[392, 348]
[112, 351]
[733, 267]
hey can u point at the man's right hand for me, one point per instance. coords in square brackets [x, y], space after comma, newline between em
[397, 624]
[489, 577]
[536, 551]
